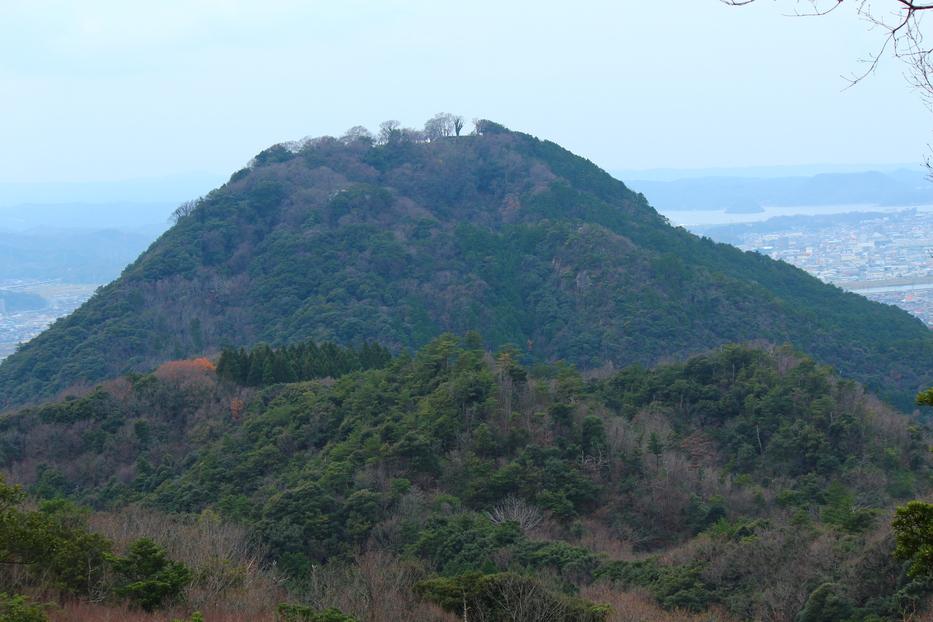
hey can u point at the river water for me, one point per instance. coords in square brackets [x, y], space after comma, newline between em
[721, 217]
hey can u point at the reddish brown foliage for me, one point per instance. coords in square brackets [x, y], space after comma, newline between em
[188, 372]
[236, 408]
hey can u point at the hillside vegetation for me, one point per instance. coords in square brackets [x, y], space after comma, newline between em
[352, 241]
[747, 483]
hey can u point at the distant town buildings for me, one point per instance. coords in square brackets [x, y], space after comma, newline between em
[19, 327]
[885, 257]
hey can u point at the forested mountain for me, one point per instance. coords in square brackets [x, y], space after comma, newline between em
[746, 483]
[351, 240]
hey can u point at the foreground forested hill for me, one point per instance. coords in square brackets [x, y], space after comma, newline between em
[397, 241]
[747, 483]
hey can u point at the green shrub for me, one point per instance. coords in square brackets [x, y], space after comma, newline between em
[674, 587]
[641, 573]
[738, 529]
[300, 613]
[825, 605]
[18, 608]
[53, 543]
[507, 596]
[147, 577]
[682, 587]
[840, 510]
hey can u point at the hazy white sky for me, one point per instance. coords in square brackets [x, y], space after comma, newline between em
[107, 90]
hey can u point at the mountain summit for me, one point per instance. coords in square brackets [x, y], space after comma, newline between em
[397, 240]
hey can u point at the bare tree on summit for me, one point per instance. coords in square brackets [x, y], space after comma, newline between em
[900, 22]
[439, 126]
[388, 130]
[185, 209]
[357, 133]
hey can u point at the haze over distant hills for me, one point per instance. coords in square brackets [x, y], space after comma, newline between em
[37, 217]
[737, 192]
[160, 190]
[123, 204]
[71, 255]
[76, 242]
[760, 172]
[86, 232]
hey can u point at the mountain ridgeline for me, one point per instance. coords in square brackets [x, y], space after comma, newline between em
[394, 242]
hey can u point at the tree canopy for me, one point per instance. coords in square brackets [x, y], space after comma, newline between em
[480, 477]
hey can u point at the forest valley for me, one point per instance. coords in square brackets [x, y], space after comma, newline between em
[324, 483]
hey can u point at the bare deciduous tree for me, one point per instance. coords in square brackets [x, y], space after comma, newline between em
[901, 23]
[375, 587]
[388, 130]
[438, 126]
[517, 599]
[516, 510]
[443, 124]
[410, 134]
[357, 133]
[185, 209]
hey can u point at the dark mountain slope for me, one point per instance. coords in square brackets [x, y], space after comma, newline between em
[348, 241]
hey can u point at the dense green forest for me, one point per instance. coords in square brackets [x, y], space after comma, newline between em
[744, 483]
[263, 365]
[396, 241]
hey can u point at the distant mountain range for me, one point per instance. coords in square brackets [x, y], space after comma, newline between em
[735, 233]
[13, 301]
[164, 190]
[37, 217]
[70, 255]
[901, 187]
